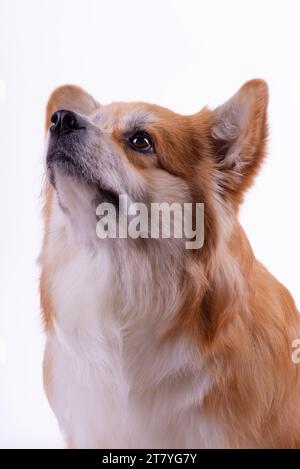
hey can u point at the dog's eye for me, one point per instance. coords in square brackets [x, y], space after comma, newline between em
[141, 141]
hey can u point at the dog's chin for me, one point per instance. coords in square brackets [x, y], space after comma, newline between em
[60, 164]
[64, 173]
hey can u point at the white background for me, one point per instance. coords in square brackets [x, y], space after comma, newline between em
[182, 54]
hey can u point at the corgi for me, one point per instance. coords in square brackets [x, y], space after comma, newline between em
[150, 344]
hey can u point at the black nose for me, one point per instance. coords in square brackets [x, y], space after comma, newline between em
[65, 122]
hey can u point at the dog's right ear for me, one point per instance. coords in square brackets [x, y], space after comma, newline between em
[71, 98]
[239, 134]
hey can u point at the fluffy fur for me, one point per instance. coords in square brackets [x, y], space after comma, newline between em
[149, 344]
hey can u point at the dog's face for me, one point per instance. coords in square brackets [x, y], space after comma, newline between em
[140, 150]
[150, 154]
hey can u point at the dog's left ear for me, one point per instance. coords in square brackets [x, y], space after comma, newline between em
[239, 133]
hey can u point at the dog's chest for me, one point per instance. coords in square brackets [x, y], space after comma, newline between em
[88, 392]
[107, 392]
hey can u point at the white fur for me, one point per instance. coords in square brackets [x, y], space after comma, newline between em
[113, 385]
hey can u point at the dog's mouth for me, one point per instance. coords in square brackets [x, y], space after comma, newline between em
[61, 159]
[71, 167]
[108, 195]
[59, 156]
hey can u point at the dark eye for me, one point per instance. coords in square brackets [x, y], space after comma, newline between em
[141, 141]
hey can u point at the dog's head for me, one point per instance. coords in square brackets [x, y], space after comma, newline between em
[150, 154]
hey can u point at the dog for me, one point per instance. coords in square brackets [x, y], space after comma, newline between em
[150, 344]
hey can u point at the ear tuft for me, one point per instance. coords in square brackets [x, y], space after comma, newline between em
[72, 98]
[239, 133]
